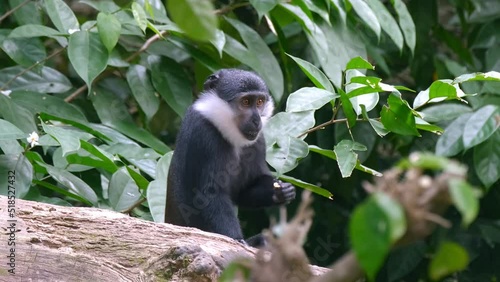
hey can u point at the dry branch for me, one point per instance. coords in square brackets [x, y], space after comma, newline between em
[55, 243]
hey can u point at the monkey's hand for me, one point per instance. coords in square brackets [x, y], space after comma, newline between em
[284, 192]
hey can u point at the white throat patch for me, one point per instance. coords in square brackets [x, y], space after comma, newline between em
[221, 115]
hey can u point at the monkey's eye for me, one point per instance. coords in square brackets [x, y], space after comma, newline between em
[245, 102]
[260, 102]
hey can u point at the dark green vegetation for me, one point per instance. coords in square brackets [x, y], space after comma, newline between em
[106, 83]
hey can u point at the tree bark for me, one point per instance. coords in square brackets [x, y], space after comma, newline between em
[55, 243]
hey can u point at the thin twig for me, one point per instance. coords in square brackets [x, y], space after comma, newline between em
[146, 45]
[4, 16]
[135, 205]
[330, 122]
[76, 93]
[228, 9]
[31, 67]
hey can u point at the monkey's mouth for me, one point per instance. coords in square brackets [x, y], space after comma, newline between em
[251, 134]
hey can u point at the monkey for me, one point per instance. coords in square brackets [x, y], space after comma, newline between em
[219, 161]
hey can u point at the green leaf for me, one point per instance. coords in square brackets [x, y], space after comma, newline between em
[87, 54]
[322, 36]
[72, 183]
[486, 160]
[156, 10]
[47, 81]
[317, 7]
[38, 102]
[28, 13]
[443, 112]
[140, 180]
[68, 139]
[61, 190]
[369, 99]
[171, 81]
[314, 74]
[451, 142]
[157, 192]
[123, 191]
[373, 228]
[375, 124]
[107, 6]
[464, 199]
[339, 8]
[425, 161]
[348, 109]
[331, 154]
[83, 125]
[406, 23]
[74, 162]
[478, 76]
[480, 126]
[35, 30]
[256, 55]
[61, 15]
[308, 186]
[285, 153]
[24, 51]
[144, 93]
[308, 98]
[105, 157]
[346, 157]
[378, 127]
[449, 258]
[109, 30]
[287, 124]
[23, 171]
[12, 146]
[423, 125]
[367, 15]
[139, 16]
[398, 117]
[387, 22]
[17, 115]
[195, 17]
[442, 89]
[219, 41]
[8, 131]
[359, 63]
[395, 215]
[264, 6]
[117, 117]
[133, 151]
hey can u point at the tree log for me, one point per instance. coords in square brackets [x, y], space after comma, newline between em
[56, 243]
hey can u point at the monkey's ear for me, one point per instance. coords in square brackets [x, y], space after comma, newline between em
[211, 82]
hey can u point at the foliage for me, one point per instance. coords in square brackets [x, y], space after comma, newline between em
[106, 83]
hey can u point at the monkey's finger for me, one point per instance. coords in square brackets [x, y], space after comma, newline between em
[289, 195]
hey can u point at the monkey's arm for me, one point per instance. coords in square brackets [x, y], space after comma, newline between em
[266, 192]
[219, 215]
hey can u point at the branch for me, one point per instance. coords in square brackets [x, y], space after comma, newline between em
[330, 122]
[4, 16]
[31, 67]
[228, 9]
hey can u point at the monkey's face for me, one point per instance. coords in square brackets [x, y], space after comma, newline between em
[250, 108]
